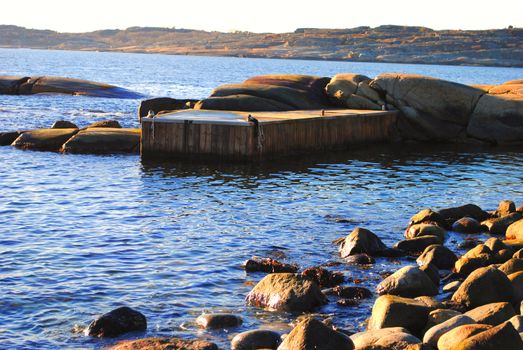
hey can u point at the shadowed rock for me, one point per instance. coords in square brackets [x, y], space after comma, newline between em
[256, 339]
[117, 322]
[164, 344]
[161, 104]
[361, 241]
[7, 138]
[408, 281]
[439, 255]
[394, 311]
[44, 139]
[104, 141]
[216, 321]
[64, 124]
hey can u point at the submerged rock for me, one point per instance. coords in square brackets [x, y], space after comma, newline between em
[218, 321]
[117, 322]
[256, 339]
[312, 334]
[467, 225]
[164, 344]
[256, 264]
[360, 259]
[361, 241]
[323, 277]
[286, 291]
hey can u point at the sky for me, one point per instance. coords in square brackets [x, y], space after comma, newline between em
[259, 16]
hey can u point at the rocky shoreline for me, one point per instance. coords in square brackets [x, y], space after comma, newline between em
[430, 110]
[444, 302]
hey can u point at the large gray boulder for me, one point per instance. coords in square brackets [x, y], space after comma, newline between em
[409, 281]
[435, 108]
[498, 119]
[286, 291]
[311, 334]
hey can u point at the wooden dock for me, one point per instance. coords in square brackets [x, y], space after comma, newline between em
[252, 136]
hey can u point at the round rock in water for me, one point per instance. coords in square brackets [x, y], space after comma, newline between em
[466, 225]
[256, 339]
[216, 321]
[361, 241]
[117, 322]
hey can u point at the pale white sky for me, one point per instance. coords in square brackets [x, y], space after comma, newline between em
[260, 15]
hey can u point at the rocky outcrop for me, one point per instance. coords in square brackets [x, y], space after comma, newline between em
[116, 322]
[60, 85]
[353, 91]
[164, 344]
[286, 291]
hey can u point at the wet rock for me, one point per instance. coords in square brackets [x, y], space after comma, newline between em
[499, 226]
[216, 321]
[408, 281]
[515, 230]
[106, 124]
[286, 291]
[161, 104]
[256, 339]
[516, 279]
[451, 215]
[492, 314]
[361, 241]
[116, 322]
[64, 124]
[500, 337]
[349, 292]
[269, 265]
[467, 225]
[395, 311]
[505, 207]
[439, 316]
[517, 323]
[427, 216]
[503, 256]
[484, 286]
[512, 266]
[419, 230]
[44, 139]
[434, 333]
[100, 140]
[323, 277]
[432, 271]
[497, 119]
[439, 255]
[312, 334]
[164, 344]
[417, 244]
[456, 336]
[451, 287]
[7, 138]
[362, 340]
[360, 259]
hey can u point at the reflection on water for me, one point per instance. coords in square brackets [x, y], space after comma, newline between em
[84, 234]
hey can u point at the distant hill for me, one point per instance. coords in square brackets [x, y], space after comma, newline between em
[388, 43]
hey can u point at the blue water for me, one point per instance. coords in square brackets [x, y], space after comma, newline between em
[81, 234]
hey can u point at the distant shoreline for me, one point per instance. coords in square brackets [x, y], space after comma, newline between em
[384, 44]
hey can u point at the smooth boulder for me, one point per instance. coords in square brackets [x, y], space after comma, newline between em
[484, 286]
[425, 229]
[417, 244]
[492, 314]
[516, 279]
[439, 255]
[466, 225]
[500, 337]
[215, 321]
[515, 230]
[409, 282]
[451, 339]
[371, 337]
[256, 339]
[499, 226]
[395, 311]
[361, 241]
[512, 266]
[433, 334]
[311, 334]
[451, 215]
[104, 140]
[44, 139]
[286, 291]
[116, 322]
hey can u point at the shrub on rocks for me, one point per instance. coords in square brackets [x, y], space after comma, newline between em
[439, 255]
[408, 281]
[419, 230]
[395, 311]
[361, 241]
[164, 344]
[456, 336]
[286, 291]
[117, 322]
[312, 334]
[216, 321]
[466, 225]
[484, 286]
[492, 314]
[256, 339]
[434, 333]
